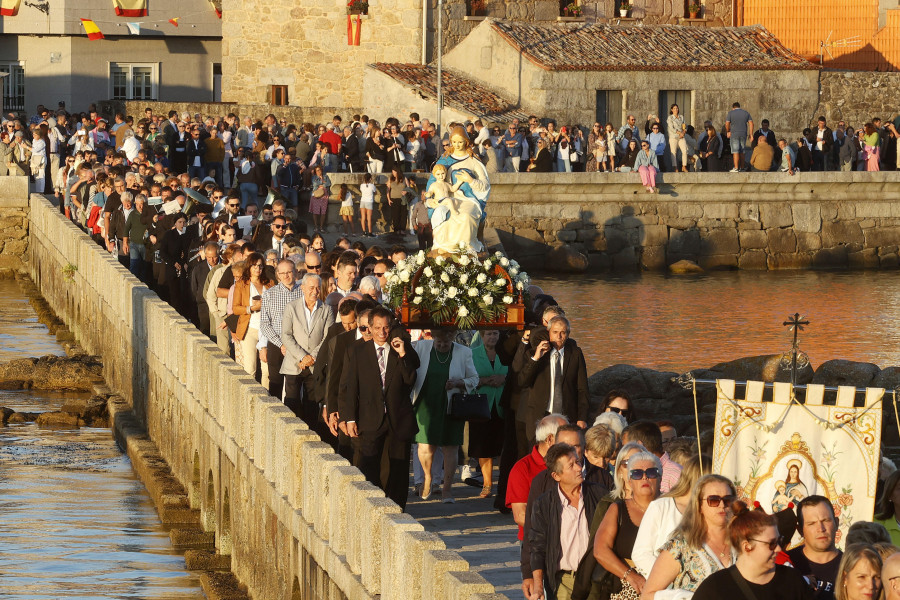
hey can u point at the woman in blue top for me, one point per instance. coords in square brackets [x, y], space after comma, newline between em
[657, 144]
[486, 439]
[647, 165]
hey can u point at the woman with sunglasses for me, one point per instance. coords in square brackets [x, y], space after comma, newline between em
[614, 542]
[647, 164]
[664, 514]
[618, 402]
[700, 545]
[754, 575]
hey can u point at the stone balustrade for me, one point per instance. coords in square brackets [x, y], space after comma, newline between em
[297, 520]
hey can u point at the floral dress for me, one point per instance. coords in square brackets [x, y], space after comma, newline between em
[696, 564]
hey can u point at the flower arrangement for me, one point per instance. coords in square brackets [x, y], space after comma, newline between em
[458, 288]
[694, 8]
[625, 5]
[357, 7]
[573, 10]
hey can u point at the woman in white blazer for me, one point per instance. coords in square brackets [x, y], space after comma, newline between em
[445, 368]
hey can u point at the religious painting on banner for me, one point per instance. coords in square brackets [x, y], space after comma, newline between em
[778, 452]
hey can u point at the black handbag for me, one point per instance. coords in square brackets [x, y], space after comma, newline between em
[469, 407]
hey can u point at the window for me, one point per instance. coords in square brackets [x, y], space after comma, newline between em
[13, 86]
[680, 97]
[278, 95]
[609, 107]
[133, 81]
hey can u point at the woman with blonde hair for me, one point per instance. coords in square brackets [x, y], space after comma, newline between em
[700, 545]
[664, 514]
[859, 576]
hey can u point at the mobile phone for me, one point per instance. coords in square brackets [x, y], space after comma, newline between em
[256, 298]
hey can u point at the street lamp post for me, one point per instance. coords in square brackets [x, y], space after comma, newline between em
[440, 51]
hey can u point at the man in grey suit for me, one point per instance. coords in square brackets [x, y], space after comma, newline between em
[303, 327]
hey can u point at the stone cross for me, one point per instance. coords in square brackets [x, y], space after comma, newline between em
[795, 324]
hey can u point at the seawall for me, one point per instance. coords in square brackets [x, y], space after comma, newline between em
[296, 520]
[753, 221]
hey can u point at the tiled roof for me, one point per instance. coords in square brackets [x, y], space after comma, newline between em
[600, 47]
[459, 91]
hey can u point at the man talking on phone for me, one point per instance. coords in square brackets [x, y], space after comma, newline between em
[378, 378]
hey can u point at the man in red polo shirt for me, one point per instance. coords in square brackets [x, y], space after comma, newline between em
[527, 467]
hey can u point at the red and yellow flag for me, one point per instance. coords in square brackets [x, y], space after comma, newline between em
[354, 29]
[130, 8]
[174, 21]
[90, 28]
[9, 8]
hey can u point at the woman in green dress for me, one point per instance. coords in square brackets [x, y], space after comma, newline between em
[486, 439]
[445, 368]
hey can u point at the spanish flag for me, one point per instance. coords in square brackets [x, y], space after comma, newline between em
[90, 28]
[174, 21]
[130, 8]
[354, 28]
[9, 8]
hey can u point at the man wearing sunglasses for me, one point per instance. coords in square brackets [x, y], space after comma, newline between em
[818, 559]
[649, 435]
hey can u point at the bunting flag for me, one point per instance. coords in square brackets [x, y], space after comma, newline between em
[130, 8]
[354, 28]
[90, 28]
[174, 21]
[9, 8]
[134, 28]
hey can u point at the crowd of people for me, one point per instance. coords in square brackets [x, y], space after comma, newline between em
[608, 505]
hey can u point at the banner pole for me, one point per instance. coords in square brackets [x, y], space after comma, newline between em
[697, 423]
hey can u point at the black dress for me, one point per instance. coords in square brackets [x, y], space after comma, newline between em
[786, 584]
[172, 251]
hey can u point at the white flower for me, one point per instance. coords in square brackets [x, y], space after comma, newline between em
[487, 265]
[463, 278]
[507, 299]
[513, 271]
[417, 300]
[445, 278]
[404, 276]
[428, 272]
[464, 260]
[452, 292]
[520, 286]
[420, 257]
[500, 281]
[498, 254]
[514, 263]
[420, 290]
[393, 278]
[504, 262]
[481, 278]
[463, 311]
[439, 260]
[487, 299]
[402, 264]
[473, 292]
[434, 291]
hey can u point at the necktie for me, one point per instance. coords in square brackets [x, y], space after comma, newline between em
[557, 384]
[278, 250]
[382, 365]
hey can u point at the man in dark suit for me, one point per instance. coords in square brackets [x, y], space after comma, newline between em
[169, 132]
[198, 278]
[196, 154]
[379, 416]
[557, 376]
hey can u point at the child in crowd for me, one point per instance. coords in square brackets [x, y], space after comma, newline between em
[346, 211]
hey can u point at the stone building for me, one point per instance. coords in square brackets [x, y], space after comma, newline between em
[50, 59]
[579, 73]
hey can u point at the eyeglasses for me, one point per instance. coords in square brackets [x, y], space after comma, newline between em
[638, 474]
[313, 267]
[233, 205]
[377, 274]
[617, 410]
[363, 328]
[772, 545]
[714, 500]
[277, 226]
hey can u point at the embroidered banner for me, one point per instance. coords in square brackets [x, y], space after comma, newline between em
[130, 8]
[9, 8]
[779, 452]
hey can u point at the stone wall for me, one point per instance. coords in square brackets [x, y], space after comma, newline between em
[753, 221]
[296, 520]
[857, 97]
[13, 223]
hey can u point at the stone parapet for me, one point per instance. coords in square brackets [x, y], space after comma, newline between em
[295, 519]
[754, 221]
[13, 223]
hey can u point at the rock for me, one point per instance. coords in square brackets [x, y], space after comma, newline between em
[565, 259]
[22, 417]
[651, 390]
[888, 378]
[846, 372]
[56, 419]
[92, 411]
[78, 373]
[684, 267]
[5, 414]
[767, 367]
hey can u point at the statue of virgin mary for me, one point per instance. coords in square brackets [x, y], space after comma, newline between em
[453, 226]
